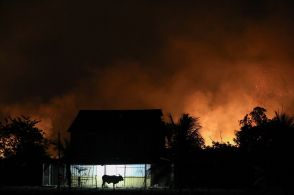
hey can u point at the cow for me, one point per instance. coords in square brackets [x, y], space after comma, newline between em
[111, 179]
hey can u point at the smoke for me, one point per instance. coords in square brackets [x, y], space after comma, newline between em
[216, 61]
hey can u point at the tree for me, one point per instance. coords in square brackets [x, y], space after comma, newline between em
[23, 148]
[185, 141]
[221, 147]
[19, 137]
[268, 144]
[185, 134]
[250, 136]
[221, 165]
[256, 117]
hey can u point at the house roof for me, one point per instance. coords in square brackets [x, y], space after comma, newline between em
[114, 120]
[117, 136]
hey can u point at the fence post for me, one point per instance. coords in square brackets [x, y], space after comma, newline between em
[145, 177]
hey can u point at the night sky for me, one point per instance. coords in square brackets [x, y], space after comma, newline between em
[216, 60]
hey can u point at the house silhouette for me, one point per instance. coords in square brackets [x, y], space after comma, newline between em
[117, 136]
[125, 142]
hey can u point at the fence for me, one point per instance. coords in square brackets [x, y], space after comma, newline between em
[52, 173]
[135, 175]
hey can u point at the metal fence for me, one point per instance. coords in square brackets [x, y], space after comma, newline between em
[90, 176]
[53, 173]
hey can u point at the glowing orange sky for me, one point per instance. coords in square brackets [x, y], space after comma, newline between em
[216, 61]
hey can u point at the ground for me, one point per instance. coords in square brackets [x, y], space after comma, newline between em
[65, 191]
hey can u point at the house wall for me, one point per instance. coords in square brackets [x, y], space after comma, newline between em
[90, 176]
[128, 146]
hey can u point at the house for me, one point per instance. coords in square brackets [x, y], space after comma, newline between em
[115, 142]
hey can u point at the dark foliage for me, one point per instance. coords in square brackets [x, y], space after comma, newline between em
[267, 143]
[261, 157]
[23, 150]
[185, 142]
[185, 136]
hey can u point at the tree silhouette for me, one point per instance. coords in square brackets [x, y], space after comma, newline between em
[280, 148]
[268, 145]
[221, 147]
[23, 149]
[251, 135]
[20, 138]
[222, 165]
[185, 134]
[185, 141]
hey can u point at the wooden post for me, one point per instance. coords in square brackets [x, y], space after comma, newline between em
[125, 175]
[59, 161]
[43, 181]
[49, 175]
[145, 177]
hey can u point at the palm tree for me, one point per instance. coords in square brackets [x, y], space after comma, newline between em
[284, 119]
[281, 128]
[186, 135]
[185, 142]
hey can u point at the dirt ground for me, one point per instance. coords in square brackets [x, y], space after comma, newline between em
[65, 191]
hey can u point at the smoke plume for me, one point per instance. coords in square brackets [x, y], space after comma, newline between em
[210, 59]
